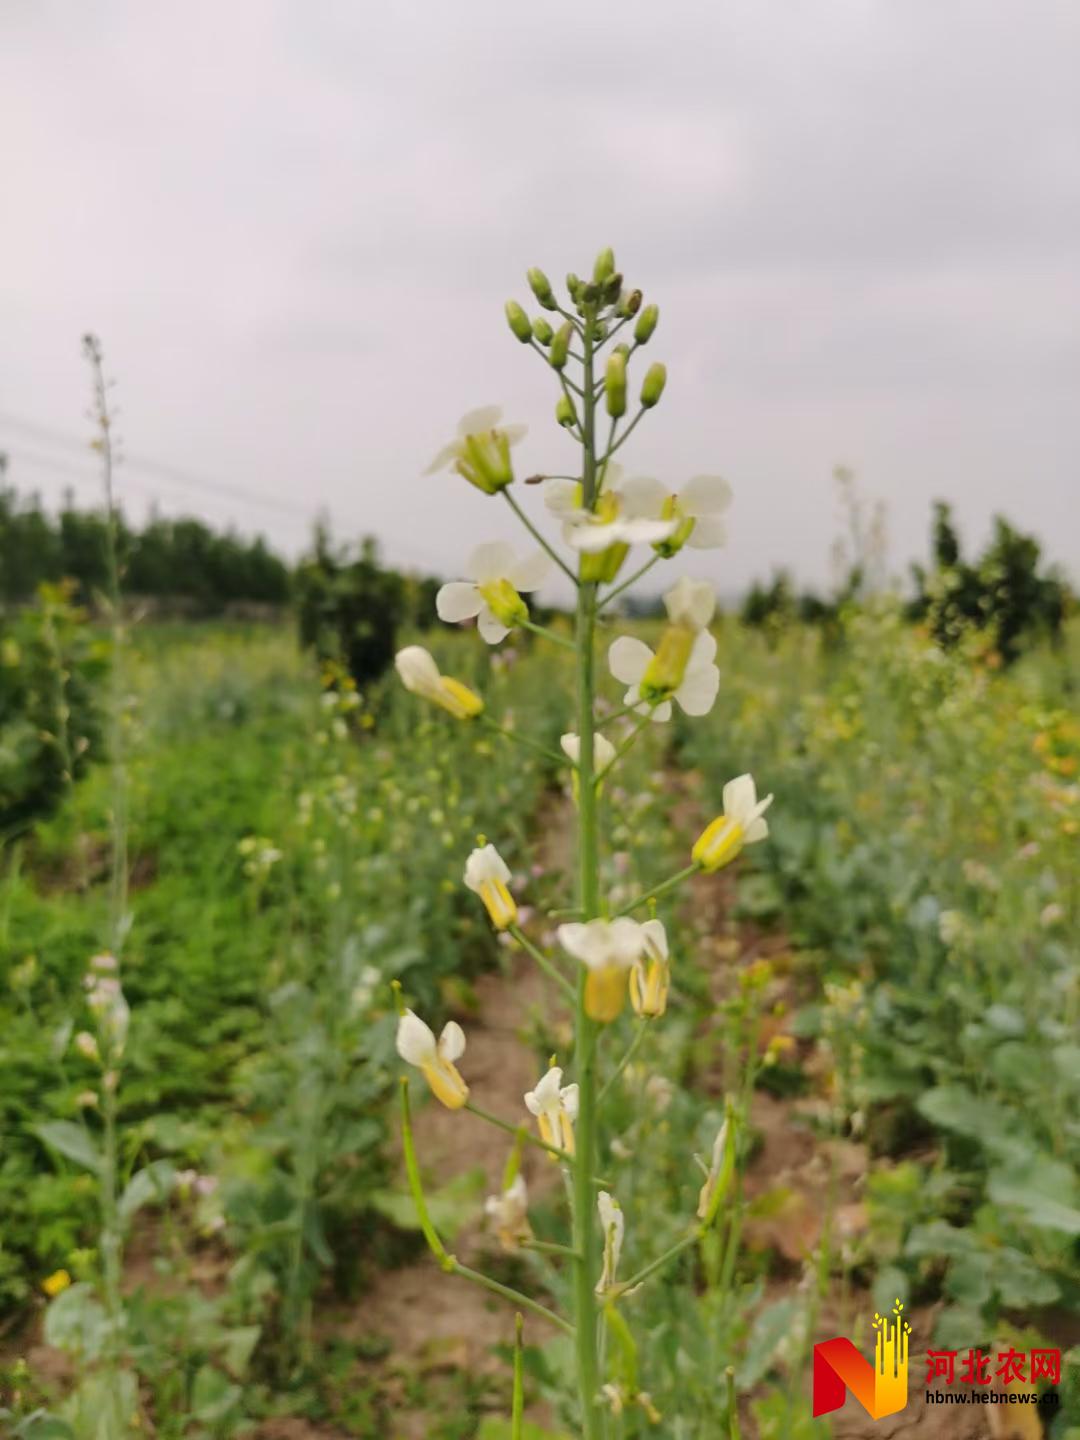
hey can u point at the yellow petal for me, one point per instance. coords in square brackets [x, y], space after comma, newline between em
[605, 993]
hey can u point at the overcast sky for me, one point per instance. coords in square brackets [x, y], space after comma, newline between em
[294, 226]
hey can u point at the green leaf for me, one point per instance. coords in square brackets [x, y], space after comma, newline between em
[76, 1322]
[152, 1182]
[493, 1428]
[238, 1346]
[213, 1395]
[770, 1328]
[890, 1283]
[72, 1141]
[955, 1108]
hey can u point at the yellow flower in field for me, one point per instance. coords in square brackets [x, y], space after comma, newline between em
[555, 1106]
[420, 674]
[683, 666]
[742, 823]
[608, 948]
[604, 534]
[613, 1225]
[416, 1044]
[481, 450]
[650, 975]
[56, 1282]
[487, 874]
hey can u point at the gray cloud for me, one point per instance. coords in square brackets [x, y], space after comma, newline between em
[294, 227]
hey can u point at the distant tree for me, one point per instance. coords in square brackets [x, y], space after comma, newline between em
[349, 608]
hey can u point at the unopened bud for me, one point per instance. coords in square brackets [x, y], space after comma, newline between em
[613, 287]
[629, 302]
[652, 387]
[560, 346]
[518, 321]
[542, 331]
[600, 332]
[621, 349]
[646, 324]
[573, 284]
[540, 285]
[589, 294]
[565, 413]
[615, 385]
[605, 265]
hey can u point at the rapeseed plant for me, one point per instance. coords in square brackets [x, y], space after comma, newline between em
[602, 516]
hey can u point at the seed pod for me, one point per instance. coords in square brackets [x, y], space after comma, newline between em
[652, 387]
[605, 265]
[560, 346]
[518, 321]
[615, 385]
[565, 413]
[646, 324]
[542, 331]
[540, 285]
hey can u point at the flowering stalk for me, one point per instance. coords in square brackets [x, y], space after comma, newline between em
[602, 517]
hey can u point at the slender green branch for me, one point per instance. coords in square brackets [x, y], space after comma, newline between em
[564, 378]
[546, 965]
[548, 1247]
[634, 578]
[447, 1262]
[572, 318]
[661, 1260]
[631, 1051]
[625, 435]
[535, 533]
[602, 476]
[658, 890]
[517, 1403]
[516, 1297]
[529, 744]
[618, 714]
[531, 1139]
[645, 721]
[547, 634]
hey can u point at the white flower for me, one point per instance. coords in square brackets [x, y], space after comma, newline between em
[691, 603]
[742, 823]
[420, 674]
[718, 1176]
[695, 509]
[650, 977]
[87, 1046]
[613, 1225]
[508, 1213]
[629, 660]
[487, 875]
[603, 752]
[106, 1000]
[614, 521]
[608, 948]
[555, 1106]
[417, 1046]
[481, 450]
[491, 591]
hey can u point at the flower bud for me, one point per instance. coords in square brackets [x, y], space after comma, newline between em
[565, 413]
[605, 265]
[518, 321]
[652, 387]
[560, 346]
[599, 332]
[542, 331]
[613, 288]
[646, 322]
[615, 385]
[573, 284]
[629, 302]
[540, 285]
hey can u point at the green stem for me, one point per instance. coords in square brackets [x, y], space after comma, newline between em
[661, 1260]
[547, 634]
[624, 436]
[658, 890]
[447, 1262]
[548, 1247]
[517, 1404]
[634, 578]
[527, 1135]
[586, 1266]
[535, 533]
[629, 741]
[549, 969]
[631, 1051]
[521, 739]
